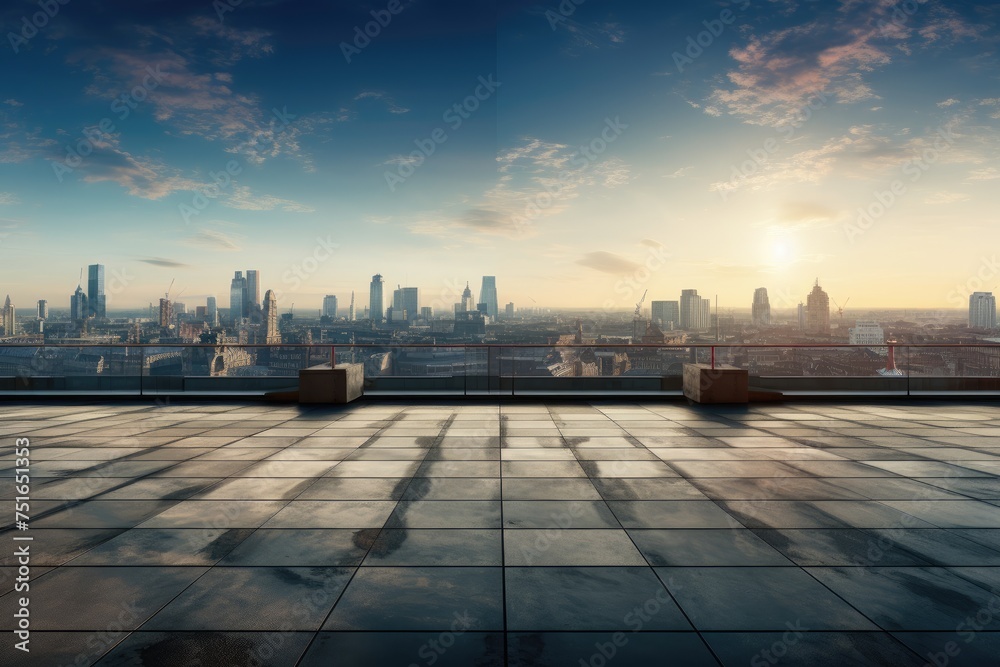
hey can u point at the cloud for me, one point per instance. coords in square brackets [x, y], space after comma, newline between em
[947, 198]
[214, 240]
[243, 198]
[951, 101]
[7, 198]
[608, 262]
[777, 72]
[985, 174]
[236, 43]
[390, 103]
[159, 261]
[679, 173]
[11, 102]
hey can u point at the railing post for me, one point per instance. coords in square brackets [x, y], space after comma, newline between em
[333, 356]
[713, 357]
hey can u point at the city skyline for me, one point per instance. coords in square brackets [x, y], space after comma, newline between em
[722, 145]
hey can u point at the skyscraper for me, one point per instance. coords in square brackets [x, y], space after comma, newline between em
[330, 306]
[666, 314]
[695, 312]
[818, 311]
[96, 299]
[43, 310]
[468, 303]
[375, 305]
[761, 309]
[982, 310]
[271, 335]
[78, 305]
[9, 318]
[166, 313]
[509, 311]
[252, 298]
[351, 313]
[212, 312]
[488, 295]
[407, 300]
[238, 298]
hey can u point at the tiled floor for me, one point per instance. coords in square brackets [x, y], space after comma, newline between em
[521, 534]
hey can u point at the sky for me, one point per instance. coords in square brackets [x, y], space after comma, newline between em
[583, 152]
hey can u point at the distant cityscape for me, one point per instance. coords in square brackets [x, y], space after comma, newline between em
[262, 326]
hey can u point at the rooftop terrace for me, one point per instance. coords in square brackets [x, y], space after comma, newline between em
[516, 533]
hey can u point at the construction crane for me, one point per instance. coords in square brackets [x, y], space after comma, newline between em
[840, 309]
[638, 306]
[166, 295]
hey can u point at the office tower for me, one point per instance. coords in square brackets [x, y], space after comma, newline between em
[252, 298]
[982, 310]
[695, 312]
[488, 295]
[166, 313]
[330, 306]
[271, 335]
[201, 312]
[212, 312]
[818, 311]
[483, 308]
[509, 311]
[666, 314]
[238, 298]
[468, 303]
[9, 319]
[802, 316]
[96, 299]
[426, 313]
[179, 308]
[406, 301]
[761, 309]
[351, 313]
[866, 333]
[375, 305]
[43, 309]
[78, 305]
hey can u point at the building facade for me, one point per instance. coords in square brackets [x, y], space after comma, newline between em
[666, 314]
[488, 295]
[330, 306]
[96, 298]
[982, 310]
[376, 308]
[760, 311]
[818, 311]
[866, 333]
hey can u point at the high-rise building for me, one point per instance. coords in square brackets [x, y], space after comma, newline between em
[78, 305]
[666, 314]
[252, 297]
[212, 312]
[468, 303]
[488, 295]
[179, 308]
[426, 313]
[818, 311]
[982, 310]
[695, 312]
[270, 312]
[351, 314]
[166, 313]
[96, 298]
[330, 306]
[509, 311]
[9, 318]
[801, 316]
[761, 308]
[42, 312]
[866, 333]
[375, 304]
[238, 298]
[406, 303]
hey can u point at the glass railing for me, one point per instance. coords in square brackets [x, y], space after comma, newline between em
[495, 368]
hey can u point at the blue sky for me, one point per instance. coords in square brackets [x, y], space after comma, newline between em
[582, 165]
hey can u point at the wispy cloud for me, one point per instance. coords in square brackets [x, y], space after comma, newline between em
[159, 261]
[383, 97]
[608, 262]
[7, 198]
[243, 198]
[213, 239]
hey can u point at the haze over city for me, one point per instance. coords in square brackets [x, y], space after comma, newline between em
[564, 148]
